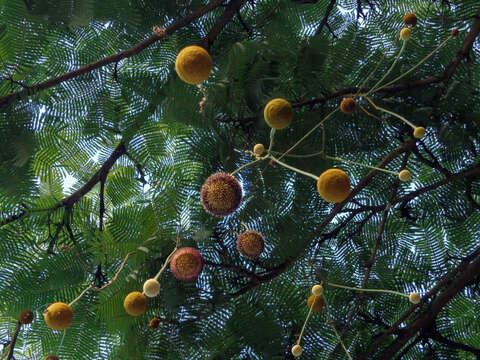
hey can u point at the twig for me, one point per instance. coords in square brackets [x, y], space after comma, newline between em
[325, 17]
[14, 340]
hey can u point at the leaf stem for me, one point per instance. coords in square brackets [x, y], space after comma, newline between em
[368, 290]
[294, 168]
[361, 164]
[391, 113]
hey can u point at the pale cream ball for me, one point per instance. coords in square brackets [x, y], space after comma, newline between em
[151, 287]
[317, 290]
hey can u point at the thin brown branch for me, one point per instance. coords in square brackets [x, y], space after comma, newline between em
[325, 17]
[118, 272]
[102, 202]
[134, 50]
[468, 194]
[435, 335]
[14, 340]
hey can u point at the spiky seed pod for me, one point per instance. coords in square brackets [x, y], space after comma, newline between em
[51, 357]
[26, 316]
[135, 303]
[193, 64]
[348, 105]
[186, 263]
[250, 243]
[221, 194]
[318, 305]
[419, 132]
[405, 34]
[258, 149]
[317, 290]
[58, 316]
[454, 32]
[296, 350]
[151, 287]
[414, 298]
[154, 323]
[404, 175]
[278, 113]
[410, 19]
[334, 185]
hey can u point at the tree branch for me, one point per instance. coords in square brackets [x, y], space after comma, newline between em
[113, 58]
[325, 17]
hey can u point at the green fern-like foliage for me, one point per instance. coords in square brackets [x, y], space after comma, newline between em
[101, 167]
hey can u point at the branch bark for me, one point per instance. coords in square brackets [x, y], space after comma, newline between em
[325, 17]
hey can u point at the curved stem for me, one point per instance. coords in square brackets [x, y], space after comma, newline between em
[306, 321]
[165, 264]
[81, 294]
[294, 168]
[361, 164]
[245, 165]
[391, 113]
[368, 290]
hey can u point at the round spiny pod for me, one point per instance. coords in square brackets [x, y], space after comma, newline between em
[154, 323]
[410, 19]
[334, 185]
[151, 287]
[317, 305]
[419, 132]
[348, 105]
[135, 303]
[405, 34]
[51, 357]
[250, 243]
[221, 194]
[258, 149]
[404, 175]
[317, 290]
[296, 350]
[26, 316]
[414, 298]
[186, 264]
[58, 316]
[278, 113]
[193, 64]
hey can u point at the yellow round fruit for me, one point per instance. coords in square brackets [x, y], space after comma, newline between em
[58, 316]
[318, 305]
[258, 149]
[317, 290]
[278, 113]
[193, 64]
[135, 303]
[405, 34]
[151, 287]
[404, 175]
[296, 350]
[414, 298]
[334, 185]
[419, 132]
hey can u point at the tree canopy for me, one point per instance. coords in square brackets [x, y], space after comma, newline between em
[108, 137]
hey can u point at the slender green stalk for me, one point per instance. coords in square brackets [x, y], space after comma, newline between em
[306, 321]
[391, 113]
[245, 165]
[361, 164]
[389, 70]
[294, 168]
[331, 323]
[165, 263]
[300, 156]
[369, 290]
[310, 132]
[417, 65]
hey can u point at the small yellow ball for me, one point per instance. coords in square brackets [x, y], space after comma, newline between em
[58, 316]
[278, 113]
[258, 149]
[135, 303]
[404, 175]
[317, 290]
[419, 132]
[333, 185]
[296, 350]
[405, 34]
[151, 287]
[193, 64]
[414, 298]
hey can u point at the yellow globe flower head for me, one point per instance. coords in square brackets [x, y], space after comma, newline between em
[250, 243]
[419, 132]
[404, 175]
[334, 185]
[296, 350]
[405, 34]
[258, 149]
[414, 298]
[151, 287]
[26, 316]
[193, 64]
[58, 316]
[135, 303]
[318, 305]
[347, 106]
[317, 290]
[410, 19]
[278, 113]
[221, 194]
